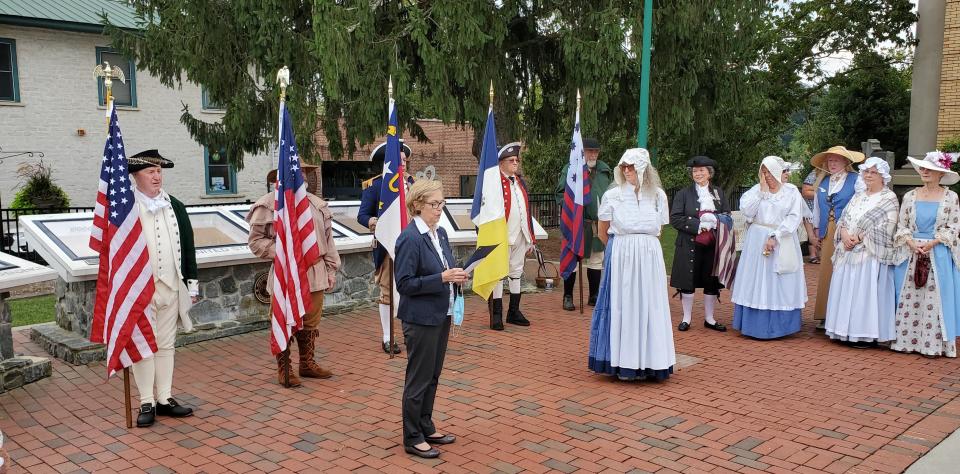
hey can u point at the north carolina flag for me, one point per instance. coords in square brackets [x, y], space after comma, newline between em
[392, 211]
[575, 193]
[489, 215]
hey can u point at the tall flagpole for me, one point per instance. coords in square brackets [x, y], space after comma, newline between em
[392, 293]
[489, 298]
[108, 74]
[580, 258]
[283, 78]
[643, 124]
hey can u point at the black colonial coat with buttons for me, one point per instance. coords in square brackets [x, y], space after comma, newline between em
[684, 216]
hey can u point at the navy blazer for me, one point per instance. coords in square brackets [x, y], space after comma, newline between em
[424, 297]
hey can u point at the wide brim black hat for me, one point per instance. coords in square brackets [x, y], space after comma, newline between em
[508, 150]
[701, 161]
[380, 152]
[591, 144]
[147, 159]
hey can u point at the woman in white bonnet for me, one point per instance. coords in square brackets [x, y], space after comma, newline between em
[860, 309]
[770, 289]
[631, 335]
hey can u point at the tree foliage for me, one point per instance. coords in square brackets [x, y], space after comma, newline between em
[726, 75]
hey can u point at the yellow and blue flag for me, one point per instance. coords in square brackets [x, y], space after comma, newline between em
[489, 215]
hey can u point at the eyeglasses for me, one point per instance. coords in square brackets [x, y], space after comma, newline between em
[627, 168]
[512, 160]
[437, 204]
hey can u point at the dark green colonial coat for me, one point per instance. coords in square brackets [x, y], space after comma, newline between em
[188, 254]
[600, 179]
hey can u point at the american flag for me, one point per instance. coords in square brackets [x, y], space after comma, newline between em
[575, 194]
[296, 242]
[121, 311]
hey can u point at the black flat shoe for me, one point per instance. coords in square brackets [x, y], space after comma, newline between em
[568, 303]
[592, 301]
[147, 416]
[386, 348]
[445, 439]
[428, 454]
[174, 409]
[715, 326]
[683, 326]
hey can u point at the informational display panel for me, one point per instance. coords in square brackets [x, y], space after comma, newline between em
[16, 272]
[220, 235]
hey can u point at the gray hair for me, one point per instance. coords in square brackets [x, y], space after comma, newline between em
[709, 169]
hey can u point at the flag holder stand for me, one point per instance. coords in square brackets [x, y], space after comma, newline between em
[126, 397]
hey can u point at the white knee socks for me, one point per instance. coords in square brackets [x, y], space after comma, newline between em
[687, 300]
[709, 303]
[514, 286]
[155, 373]
[385, 321]
[498, 290]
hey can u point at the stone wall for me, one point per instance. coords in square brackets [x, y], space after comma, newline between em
[16, 371]
[948, 123]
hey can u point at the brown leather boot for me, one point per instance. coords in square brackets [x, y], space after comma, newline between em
[306, 342]
[284, 367]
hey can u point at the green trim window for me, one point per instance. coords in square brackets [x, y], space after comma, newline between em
[219, 174]
[9, 82]
[124, 94]
[207, 103]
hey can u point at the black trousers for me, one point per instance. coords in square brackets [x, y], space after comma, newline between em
[426, 348]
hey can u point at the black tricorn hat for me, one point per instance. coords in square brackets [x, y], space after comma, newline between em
[146, 159]
[380, 152]
[591, 144]
[508, 150]
[701, 161]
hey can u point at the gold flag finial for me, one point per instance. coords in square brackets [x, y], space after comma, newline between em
[283, 78]
[578, 100]
[491, 92]
[390, 87]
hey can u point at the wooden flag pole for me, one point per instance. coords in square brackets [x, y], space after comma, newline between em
[109, 74]
[580, 281]
[392, 303]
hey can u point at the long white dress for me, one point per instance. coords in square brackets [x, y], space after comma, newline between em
[631, 333]
[768, 299]
[861, 304]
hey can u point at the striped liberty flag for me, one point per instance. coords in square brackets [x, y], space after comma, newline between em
[489, 215]
[296, 242]
[575, 194]
[121, 310]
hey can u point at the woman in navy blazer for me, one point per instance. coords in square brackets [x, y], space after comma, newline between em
[427, 281]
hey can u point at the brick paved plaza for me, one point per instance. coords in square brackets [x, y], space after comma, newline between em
[517, 400]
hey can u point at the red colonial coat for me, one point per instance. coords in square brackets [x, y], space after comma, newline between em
[508, 201]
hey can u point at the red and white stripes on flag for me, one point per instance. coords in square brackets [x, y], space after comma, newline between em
[121, 310]
[295, 242]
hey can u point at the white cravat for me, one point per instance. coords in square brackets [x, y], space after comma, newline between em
[153, 204]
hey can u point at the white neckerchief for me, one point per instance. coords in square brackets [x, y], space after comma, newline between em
[153, 204]
[705, 198]
[836, 182]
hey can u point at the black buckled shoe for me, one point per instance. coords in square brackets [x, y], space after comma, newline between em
[715, 326]
[428, 454]
[683, 326]
[174, 409]
[568, 303]
[147, 415]
[592, 301]
[386, 348]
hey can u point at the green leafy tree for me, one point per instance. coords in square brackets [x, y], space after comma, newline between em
[726, 75]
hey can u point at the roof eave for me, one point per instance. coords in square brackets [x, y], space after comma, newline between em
[54, 24]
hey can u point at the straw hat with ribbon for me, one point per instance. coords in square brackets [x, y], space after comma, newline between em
[819, 160]
[939, 161]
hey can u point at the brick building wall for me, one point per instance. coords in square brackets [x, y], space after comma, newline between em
[449, 152]
[948, 119]
[58, 96]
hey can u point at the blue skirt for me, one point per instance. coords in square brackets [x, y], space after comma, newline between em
[765, 323]
[599, 355]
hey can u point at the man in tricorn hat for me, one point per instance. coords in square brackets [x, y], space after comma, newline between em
[382, 263]
[169, 238]
[322, 275]
[520, 236]
[600, 176]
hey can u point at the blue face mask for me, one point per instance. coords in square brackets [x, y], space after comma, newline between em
[458, 310]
